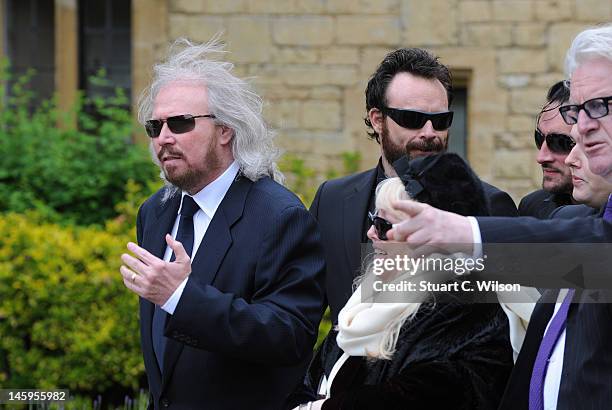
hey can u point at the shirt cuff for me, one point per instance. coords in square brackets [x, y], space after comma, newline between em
[170, 305]
[476, 238]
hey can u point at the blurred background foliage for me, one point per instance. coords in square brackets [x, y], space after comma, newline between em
[69, 196]
[76, 173]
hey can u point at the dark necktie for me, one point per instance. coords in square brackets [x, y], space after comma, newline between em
[184, 236]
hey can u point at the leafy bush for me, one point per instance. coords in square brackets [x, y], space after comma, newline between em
[66, 319]
[74, 172]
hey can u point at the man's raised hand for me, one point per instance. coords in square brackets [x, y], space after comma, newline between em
[151, 277]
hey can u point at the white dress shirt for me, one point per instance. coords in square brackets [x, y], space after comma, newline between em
[208, 199]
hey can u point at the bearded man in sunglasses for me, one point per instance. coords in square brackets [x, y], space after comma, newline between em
[554, 143]
[408, 112]
[228, 266]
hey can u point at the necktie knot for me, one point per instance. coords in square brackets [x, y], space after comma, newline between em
[189, 207]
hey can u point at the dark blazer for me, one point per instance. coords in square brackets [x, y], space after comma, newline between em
[540, 204]
[340, 206]
[532, 230]
[573, 211]
[243, 331]
[587, 361]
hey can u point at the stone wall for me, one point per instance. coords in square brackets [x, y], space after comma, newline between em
[311, 59]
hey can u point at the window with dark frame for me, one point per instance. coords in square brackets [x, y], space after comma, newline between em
[30, 43]
[457, 141]
[105, 44]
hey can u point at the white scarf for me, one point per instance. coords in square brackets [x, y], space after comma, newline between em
[361, 329]
[362, 325]
[518, 313]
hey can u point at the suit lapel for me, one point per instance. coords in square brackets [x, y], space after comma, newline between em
[209, 256]
[218, 239]
[355, 208]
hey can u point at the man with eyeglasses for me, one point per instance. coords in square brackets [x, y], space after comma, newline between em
[229, 267]
[407, 103]
[553, 143]
[566, 359]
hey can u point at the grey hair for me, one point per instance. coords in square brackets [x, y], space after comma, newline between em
[591, 43]
[231, 99]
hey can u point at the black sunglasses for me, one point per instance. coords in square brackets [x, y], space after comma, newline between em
[381, 225]
[557, 143]
[178, 124]
[414, 120]
[595, 108]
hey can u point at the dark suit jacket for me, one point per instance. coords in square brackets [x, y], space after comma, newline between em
[541, 203]
[453, 342]
[532, 230]
[587, 362]
[243, 331]
[573, 211]
[340, 206]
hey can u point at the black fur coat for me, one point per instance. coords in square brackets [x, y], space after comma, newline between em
[451, 355]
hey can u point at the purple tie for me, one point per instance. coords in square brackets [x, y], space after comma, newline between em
[536, 387]
[607, 216]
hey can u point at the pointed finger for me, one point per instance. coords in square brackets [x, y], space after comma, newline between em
[141, 253]
[409, 207]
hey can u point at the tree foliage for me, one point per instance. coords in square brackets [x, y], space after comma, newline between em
[76, 172]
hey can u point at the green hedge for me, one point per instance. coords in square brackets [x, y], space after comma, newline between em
[66, 319]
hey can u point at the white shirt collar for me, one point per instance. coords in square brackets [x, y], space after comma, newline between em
[209, 198]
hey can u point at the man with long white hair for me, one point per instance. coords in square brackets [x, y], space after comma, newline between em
[228, 265]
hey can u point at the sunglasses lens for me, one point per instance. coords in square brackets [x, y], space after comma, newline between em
[382, 227]
[415, 119]
[409, 119]
[539, 139]
[153, 128]
[559, 143]
[181, 124]
[442, 121]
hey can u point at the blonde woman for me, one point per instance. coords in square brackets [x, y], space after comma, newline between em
[438, 350]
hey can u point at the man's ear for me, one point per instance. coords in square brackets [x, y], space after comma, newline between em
[376, 119]
[225, 134]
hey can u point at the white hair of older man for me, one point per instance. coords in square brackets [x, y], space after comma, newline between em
[592, 43]
[231, 99]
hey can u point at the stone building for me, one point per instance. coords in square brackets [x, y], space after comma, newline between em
[311, 59]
